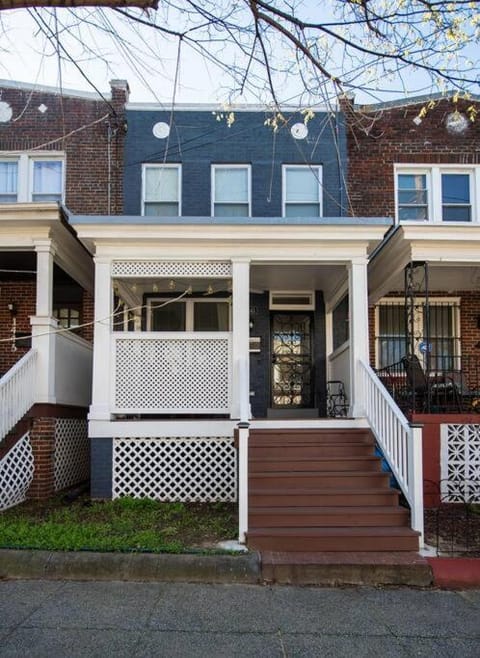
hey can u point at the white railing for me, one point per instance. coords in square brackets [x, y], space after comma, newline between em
[167, 372]
[400, 443]
[73, 370]
[17, 392]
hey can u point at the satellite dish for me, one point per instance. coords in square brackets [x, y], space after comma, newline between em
[161, 130]
[5, 112]
[299, 131]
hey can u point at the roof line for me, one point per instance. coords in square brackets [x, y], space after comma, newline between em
[28, 86]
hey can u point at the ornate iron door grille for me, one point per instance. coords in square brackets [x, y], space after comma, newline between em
[291, 370]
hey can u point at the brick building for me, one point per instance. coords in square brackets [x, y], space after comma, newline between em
[418, 160]
[58, 149]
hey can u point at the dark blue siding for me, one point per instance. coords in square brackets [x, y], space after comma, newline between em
[197, 140]
[101, 468]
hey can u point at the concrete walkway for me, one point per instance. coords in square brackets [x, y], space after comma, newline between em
[56, 618]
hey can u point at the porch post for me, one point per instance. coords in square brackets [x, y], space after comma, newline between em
[102, 375]
[43, 324]
[240, 387]
[358, 318]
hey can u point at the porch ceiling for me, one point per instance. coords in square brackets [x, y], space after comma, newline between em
[289, 276]
[452, 252]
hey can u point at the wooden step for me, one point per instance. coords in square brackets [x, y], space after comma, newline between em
[281, 497]
[309, 451]
[314, 479]
[318, 438]
[271, 517]
[333, 539]
[282, 463]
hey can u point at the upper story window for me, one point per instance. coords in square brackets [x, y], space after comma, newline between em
[302, 195]
[29, 177]
[161, 190]
[437, 193]
[231, 195]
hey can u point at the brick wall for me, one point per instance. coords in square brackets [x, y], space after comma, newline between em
[80, 127]
[378, 138]
[23, 294]
[42, 438]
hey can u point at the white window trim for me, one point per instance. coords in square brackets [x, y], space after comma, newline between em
[248, 167]
[167, 165]
[25, 171]
[434, 190]
[189, 310]
[291, 307]
[319, 172]
[433, 301]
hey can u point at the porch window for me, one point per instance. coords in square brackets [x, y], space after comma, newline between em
[68, 317]
[231, 196]
[47, 180]
[436, 333]
[8, 181]
[302, 191]
[161, 190]
[456, 205]
[188, 315]
[340, 323]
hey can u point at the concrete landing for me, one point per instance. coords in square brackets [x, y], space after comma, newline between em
[344, 568]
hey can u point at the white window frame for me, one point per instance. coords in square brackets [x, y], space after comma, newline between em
[25, 172]
[434, 191]
[282, 306]
[189, 310]
[167, 165]
[433, 301]
[319, 176]
[248, 168]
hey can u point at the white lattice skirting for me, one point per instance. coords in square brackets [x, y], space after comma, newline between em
[16, 473]
[460, 463]
[171, 469]
[72, 452]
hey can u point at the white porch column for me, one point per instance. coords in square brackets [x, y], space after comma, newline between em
[358, 305]
[102, 367]
[43, 324]
[240, 400]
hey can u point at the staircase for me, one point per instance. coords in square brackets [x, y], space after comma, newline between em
[322, 490]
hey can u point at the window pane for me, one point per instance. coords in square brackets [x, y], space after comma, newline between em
[302, 210]
[412, 181]
[47, 180]
[168, 318]
[412, 196]
[8, 181]
[302, 185]
[456, 214]
[231, 185]
[231, 210]
[211, 316]
[456, 188]
[161, 184]
[412, 212]
[161, 209]
[391, 334]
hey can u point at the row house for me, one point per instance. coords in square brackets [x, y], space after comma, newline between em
[56, 148]
[418, 161]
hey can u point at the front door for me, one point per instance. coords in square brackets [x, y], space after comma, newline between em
[291, 360]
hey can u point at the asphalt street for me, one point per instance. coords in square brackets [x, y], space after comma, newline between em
[57, 618]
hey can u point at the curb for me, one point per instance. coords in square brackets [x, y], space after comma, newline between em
[455, 572]
[84, 565]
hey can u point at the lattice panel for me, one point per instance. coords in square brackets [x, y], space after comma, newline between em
[72, 452]
[174, 375]
[460, 463]
[173, 268]
[175, 469]
[16, 473]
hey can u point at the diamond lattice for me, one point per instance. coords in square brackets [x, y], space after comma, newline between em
[460, 463]
[175, 469]
[72, 453]
[174, 269]
[172, 375]
[16, 473]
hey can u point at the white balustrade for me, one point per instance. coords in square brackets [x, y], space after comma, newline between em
[17, 392]
[169, 372]
[400, 443]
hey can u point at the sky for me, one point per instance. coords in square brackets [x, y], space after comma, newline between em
[155, 68]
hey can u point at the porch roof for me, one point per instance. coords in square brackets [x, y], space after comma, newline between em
[451, 249]
[24, 226]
